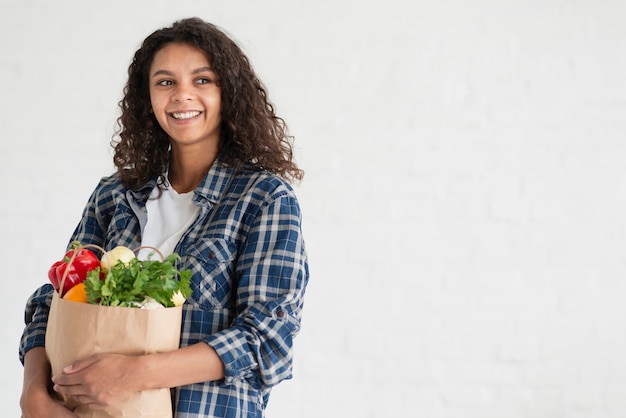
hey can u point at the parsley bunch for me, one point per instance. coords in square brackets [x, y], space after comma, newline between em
[130, 284]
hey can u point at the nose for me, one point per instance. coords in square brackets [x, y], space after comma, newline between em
[183, 92]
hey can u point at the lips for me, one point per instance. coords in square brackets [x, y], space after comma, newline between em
[184, 115]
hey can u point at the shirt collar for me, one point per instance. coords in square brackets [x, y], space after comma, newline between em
[208, 192]
[214, 184]
[141, 194]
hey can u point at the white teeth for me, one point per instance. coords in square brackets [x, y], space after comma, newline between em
[185, 115]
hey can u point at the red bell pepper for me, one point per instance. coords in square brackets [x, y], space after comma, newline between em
[84, 261]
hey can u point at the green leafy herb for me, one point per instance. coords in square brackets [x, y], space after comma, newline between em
[130, 284]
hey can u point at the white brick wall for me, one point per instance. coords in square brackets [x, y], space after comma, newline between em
[464, 202]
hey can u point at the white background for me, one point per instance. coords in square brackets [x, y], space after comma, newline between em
[464, 203]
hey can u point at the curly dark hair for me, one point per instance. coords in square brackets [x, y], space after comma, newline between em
[252, 135]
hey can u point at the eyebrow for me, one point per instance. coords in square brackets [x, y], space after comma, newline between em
[196, 71]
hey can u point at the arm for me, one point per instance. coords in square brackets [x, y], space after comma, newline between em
[36, 401]
[101, 379]
[36, 372]
[272, 273]
[192, 364]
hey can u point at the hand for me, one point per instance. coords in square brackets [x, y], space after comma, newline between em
[39, 404]
[36, 401]
[99, 380]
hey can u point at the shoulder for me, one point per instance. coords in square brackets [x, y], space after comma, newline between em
[111, 187]
[108, 191]
[260, 193]
[111, 183]
[262, 184]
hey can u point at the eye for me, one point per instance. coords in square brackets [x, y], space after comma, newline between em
[203, 80]
[164, 83]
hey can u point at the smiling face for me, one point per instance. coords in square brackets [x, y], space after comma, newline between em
[185, 97]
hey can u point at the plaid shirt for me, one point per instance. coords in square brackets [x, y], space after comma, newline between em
[250, 271]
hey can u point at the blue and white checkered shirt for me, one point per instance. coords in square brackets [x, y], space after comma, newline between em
[250, 272]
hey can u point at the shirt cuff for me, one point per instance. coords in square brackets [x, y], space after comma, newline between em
[231, 345]
[36, 319]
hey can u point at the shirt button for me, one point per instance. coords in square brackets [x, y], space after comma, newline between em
[212, 255]
[280, 313]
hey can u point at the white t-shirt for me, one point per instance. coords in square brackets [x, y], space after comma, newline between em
[169, 216]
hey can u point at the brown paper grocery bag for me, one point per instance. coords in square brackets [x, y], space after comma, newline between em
[77, 330]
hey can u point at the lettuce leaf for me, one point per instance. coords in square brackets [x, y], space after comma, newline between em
[129, 284]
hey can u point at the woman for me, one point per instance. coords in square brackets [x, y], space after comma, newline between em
[202, 169]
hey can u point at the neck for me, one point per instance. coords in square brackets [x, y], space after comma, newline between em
[187, 169]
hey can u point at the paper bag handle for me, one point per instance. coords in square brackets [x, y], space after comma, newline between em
[104, 254]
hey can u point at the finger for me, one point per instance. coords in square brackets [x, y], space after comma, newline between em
[70, 390]
[63, 379]
[79, 365]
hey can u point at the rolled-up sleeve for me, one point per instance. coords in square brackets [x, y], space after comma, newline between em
[272, 274]
[36, 320]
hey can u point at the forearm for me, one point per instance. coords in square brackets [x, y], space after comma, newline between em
[36, 400]
[36, 370]
[193, 364]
